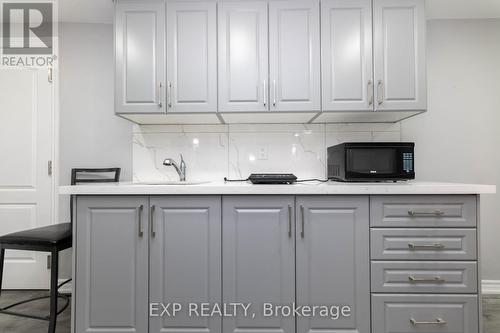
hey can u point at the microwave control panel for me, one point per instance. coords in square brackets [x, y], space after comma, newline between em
[408, 162]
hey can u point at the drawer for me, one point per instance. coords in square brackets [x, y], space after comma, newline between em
[423, 244]
[420, 211]
[438, 277]
[425, 313]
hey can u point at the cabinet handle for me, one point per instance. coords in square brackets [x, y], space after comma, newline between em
[370, 93]
[436, 246]
[433, 213]
[264, 94]
[274, 93]
[160, 99]
[289, 221]
[302, 232]
[169, 94]
[152, 219]
[435, 279]
[437, 321]
[139, 219]
[381, 92]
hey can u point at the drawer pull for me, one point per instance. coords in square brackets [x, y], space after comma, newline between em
[435, 279]
[437, 321]
[436, 246]
[433, 213]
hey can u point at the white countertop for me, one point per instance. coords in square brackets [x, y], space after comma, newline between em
[220, 188]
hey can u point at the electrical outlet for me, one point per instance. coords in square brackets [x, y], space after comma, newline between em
[262, 153]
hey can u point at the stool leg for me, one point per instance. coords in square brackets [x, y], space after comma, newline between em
[2, 258]
[53, 291]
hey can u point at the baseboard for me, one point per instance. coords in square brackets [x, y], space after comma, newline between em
[491, 287]
[68, 287]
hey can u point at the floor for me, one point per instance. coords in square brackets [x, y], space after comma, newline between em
[9, 324]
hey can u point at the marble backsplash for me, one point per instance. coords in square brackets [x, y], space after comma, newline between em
[213, 152]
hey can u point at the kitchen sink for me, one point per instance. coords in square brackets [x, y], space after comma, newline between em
[171, 182]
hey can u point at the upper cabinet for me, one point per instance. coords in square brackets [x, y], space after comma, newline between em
[191, 56]
[139, 56]
[347, 72]
[288, 61]
[243, 56]
[399, 56]
[294, 56]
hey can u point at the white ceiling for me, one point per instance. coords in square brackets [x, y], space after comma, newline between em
[101, 11]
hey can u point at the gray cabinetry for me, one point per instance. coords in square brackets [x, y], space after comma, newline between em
[139, 56]
[258, 260]
[425, 313]
[185, 260]
[424, 252]
[243, 56]
[423, 244]
[423, 211]
[333, 261]
[294, 55]
[347, 70]
[191, 56]
[399, 54]
[111, 292]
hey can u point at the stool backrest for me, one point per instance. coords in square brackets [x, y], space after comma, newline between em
[92, 175]
[95, 175]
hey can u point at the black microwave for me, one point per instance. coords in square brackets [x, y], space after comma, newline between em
[371, 161]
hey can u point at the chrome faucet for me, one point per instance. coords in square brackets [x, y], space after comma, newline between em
[181, 169]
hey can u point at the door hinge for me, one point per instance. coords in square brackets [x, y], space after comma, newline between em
[49, 261]
[50, 74]
[49, 168]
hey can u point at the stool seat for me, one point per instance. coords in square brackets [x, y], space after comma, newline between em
[53, 235]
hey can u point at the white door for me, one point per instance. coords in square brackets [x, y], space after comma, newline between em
[347, 55]
[192, 56]
[140, 56]
[243, 56]
[26, 189]
[294, 55]
[399, 54]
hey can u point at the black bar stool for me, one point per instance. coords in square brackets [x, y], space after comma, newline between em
[52, 239]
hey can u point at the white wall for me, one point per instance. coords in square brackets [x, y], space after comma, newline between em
[90, 134]
[458, 139]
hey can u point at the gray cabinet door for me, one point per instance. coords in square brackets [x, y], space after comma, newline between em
[333, 262]
[111, 292]
[294, 55]
[399, 54]
[243, 56]
[258, 260]
[346, 33]
[185, 260]
[191, 56]
[140, 56]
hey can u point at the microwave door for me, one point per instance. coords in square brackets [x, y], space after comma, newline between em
[371, 162]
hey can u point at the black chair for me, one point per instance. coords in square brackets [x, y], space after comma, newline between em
[52, 239]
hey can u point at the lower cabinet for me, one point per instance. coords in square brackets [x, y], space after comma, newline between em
[273, 254]
[425, 313]
[111, 284]
[333, 263]
[185, 260]
[258, 260]
[320, 258]
[135, 251]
